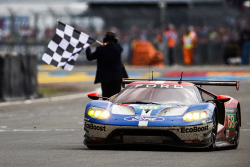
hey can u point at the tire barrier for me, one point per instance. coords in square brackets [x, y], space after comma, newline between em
[18, 77]
[144, 53]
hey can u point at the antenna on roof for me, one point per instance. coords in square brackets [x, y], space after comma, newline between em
[180, 78]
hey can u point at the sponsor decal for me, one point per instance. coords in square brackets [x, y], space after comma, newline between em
[231, 121]
[194, 129]
[144, 118]
[95, 127]
[149, 107]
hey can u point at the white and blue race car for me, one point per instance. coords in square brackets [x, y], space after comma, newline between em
[172, 113]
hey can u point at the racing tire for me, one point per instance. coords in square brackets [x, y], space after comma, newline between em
[99, 147]
[237, 131]
[92, 147]
[214, 133]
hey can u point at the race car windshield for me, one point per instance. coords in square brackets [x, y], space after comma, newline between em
[176, 96]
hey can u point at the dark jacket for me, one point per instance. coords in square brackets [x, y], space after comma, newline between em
[109, 64]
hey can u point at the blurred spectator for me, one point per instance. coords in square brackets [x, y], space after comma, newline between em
[25, 33]
[171, 37]
[213, 36]
[231, 53]
[245, 44]
[192, 34]
[158, 41]
[224, 34]
[188, 45]
[48, 34]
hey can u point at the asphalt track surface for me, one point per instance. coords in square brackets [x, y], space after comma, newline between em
[49, 132]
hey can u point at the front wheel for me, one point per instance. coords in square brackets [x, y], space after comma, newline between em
[214, 133]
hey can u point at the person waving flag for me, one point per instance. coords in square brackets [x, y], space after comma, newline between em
[65, 46]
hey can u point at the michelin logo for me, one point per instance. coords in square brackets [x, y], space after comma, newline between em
[144, 118]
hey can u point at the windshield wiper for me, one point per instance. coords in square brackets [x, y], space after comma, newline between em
[140, 102]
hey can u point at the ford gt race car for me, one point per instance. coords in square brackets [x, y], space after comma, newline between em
[171, 113]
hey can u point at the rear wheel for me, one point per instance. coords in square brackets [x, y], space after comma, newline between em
[214, 133]
[237, 131]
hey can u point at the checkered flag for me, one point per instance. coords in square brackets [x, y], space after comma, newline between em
[65, 46]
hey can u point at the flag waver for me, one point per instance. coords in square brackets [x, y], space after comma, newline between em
[65, 46]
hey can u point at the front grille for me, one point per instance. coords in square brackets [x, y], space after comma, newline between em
[131, 136]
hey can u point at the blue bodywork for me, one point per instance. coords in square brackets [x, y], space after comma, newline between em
[153, 119]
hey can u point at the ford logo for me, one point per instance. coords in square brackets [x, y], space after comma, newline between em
[144, 118]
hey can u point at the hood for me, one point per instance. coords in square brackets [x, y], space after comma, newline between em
[137, 109]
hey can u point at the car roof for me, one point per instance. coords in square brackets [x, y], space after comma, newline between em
[162, 83]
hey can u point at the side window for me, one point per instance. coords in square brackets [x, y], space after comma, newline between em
[205, 96]
[200, 95]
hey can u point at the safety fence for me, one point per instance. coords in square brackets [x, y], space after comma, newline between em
[210, 53]
[18, 77]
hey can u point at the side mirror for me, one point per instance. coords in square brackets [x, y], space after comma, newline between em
[94, 96]
[223, 98]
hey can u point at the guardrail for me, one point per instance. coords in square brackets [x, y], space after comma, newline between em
[18, 77]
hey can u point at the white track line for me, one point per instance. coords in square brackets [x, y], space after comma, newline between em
[50, 99]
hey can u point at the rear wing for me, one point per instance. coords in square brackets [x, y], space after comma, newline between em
[206, 83]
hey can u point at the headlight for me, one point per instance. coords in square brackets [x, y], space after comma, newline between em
[98, 113]
[195, 115]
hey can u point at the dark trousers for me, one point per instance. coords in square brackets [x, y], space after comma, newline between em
[171, 56]
[245, 53]
[110, 89]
